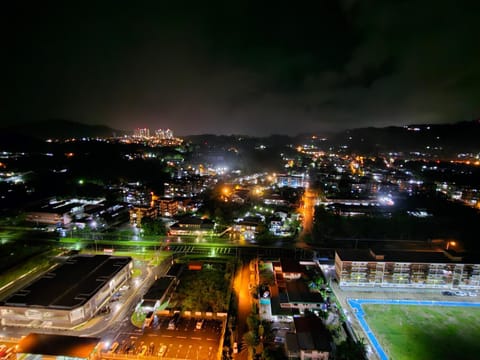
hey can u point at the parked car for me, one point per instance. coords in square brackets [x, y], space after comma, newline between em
[143, 351]
[113, 348]
[163, 350]
[172, 324]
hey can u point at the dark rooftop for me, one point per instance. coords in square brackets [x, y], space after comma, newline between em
[290, 265]
[298, 292]
[57, 345]
[70, 284]
[312, 334]
[276, 298]
[159, 287]
[175, 270]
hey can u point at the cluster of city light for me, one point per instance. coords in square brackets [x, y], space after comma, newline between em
[263, 209]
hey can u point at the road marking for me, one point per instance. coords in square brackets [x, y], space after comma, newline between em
[168, 336]
[181, 337]
[196, 338]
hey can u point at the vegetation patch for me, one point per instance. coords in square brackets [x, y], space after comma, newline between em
[425, 332]
[204, 290]
[138, 318]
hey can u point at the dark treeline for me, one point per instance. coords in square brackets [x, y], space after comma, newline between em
[448, 221]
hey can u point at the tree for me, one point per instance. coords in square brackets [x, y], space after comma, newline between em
[153, 226]
[250, 340]
[252, 321]
[350, 350]
[273, 354]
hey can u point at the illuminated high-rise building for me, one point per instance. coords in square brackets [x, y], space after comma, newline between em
[168, 134]
[160, 134]
[141, 133]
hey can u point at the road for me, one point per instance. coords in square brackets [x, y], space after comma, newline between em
[307, 209]
[241, 288]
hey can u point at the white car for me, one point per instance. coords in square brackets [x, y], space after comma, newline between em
[163, 350]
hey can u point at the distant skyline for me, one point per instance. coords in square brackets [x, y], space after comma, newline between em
[241, 67]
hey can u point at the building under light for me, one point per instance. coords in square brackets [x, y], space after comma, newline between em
[406, 269]
[141, 133]
[68, 295]
[50, 346]
[293, 180]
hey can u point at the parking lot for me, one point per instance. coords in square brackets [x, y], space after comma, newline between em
[186, 341]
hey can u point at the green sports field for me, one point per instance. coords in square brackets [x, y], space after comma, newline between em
[410, 332]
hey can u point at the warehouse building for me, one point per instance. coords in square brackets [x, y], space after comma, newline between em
[68, 295]
[36, 346]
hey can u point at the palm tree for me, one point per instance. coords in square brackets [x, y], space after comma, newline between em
[250, 341]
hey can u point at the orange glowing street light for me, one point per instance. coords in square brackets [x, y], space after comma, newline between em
[451, 243]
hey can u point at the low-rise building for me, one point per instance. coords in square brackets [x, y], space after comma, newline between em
[249, 226]
[311, 340]
[50, 346]
[289, 294]
[168, 207]
[68, 295]
[409, 269]
[194, 226]
[137, 213]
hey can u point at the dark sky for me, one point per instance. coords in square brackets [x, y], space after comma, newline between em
[251, 67]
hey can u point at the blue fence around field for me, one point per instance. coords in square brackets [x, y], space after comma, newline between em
[356, 305]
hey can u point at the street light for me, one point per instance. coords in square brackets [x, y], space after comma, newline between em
[450, 243]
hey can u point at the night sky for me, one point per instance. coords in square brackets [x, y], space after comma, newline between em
[244, 67]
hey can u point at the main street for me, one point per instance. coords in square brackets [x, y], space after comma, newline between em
[241, 287]
[307, 209]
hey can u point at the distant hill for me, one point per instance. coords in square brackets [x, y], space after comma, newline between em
[20, 143]
[443, 138]
[60, 129]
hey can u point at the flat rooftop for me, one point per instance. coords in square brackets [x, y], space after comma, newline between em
[298, 292]
[290, 265]
[175, 270]
[57, 345]
[70, 284]
[159, 287]
[395, 256]
[312, 334]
